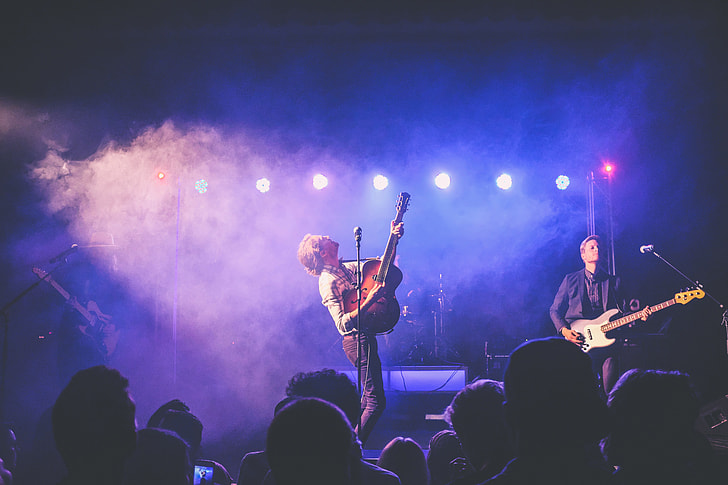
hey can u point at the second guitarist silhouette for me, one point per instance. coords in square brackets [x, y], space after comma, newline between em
[88, 276]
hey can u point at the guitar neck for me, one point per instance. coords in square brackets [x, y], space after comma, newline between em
[634, 316]
[72, 301]
[387, 258]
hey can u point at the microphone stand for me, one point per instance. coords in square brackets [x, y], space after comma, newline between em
[697, 284]
[357, 238]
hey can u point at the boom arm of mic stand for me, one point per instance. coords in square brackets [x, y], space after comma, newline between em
[696, 283]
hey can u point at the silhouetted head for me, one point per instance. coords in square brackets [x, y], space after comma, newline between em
[156, 417]
[405, 458]
[444, 447]
[161, 457]
[186, 425]
[329, 385]
[93, 420]
[546, 379]
[311, 441]
[653, 413]
[476, 415]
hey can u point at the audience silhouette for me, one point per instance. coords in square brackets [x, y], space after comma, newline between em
[543, 424]
[405, 458]
[653, 439]
[94, 426]
[331, 386]
[310, 441]
[161, 457]
[446, 460]
[176, 416]
[476, 415]
[556, 416]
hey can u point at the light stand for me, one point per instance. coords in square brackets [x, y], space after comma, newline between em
[696, 284]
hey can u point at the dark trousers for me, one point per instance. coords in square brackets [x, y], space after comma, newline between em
[606, 366]
[373, 401]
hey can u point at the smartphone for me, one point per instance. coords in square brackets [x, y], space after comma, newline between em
[203, 475]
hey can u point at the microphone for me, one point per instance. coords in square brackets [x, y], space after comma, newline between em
[647, 248]
[64, 254]
[357, 233]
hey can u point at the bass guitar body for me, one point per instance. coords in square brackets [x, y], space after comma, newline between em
[383, 315]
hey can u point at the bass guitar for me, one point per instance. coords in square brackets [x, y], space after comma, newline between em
[595, 331]
[98, 326]
[383, 315]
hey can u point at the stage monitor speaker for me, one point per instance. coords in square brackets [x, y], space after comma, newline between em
[713, 423]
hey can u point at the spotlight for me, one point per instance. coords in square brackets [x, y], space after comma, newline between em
[380, 182]
[442, 180]
[504, 181]
[562, 182]
[161, 175]
[263, 185]
[320, 181]
[608, 168]
[201, 186]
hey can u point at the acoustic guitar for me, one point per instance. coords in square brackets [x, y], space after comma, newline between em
[383, 315]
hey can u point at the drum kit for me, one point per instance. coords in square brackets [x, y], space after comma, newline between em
[420, 337]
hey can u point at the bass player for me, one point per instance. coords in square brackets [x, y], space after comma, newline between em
[320, 257]
[586, 294]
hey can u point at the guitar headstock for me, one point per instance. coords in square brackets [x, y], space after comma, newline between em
[686, 296]
[40, 273]
[402, 204]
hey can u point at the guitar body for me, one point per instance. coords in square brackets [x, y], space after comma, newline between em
[102, 330]
[383, 315]
[594, 337]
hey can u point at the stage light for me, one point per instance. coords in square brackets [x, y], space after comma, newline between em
[442, 180]
[562, 182]
[320, 181]
[380, 182]
[263, 185]
[608, 168]
[161, 175]
[201, 186]
[504, 181]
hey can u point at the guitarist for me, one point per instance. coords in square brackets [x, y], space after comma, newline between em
[88, 276]
[586, 294]
[320, 257]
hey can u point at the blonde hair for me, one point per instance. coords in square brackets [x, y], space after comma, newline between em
[593, 237]
[309, 254]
